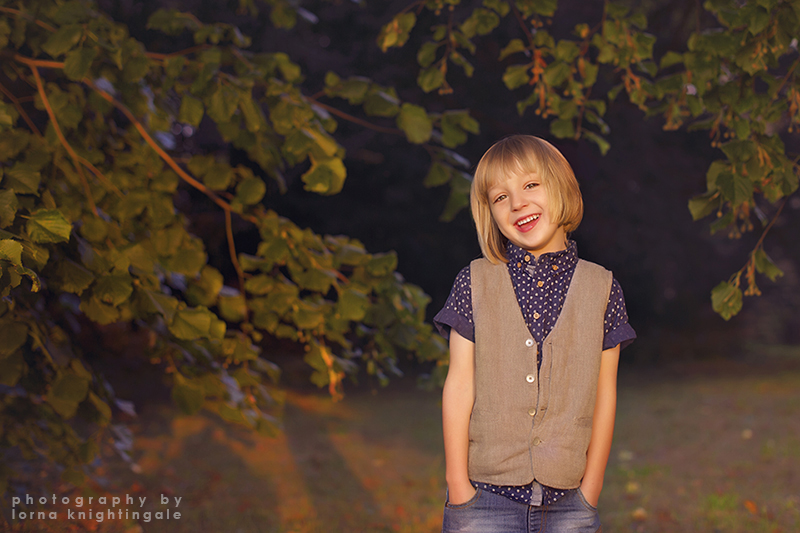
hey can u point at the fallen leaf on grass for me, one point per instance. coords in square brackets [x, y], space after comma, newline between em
[639, 514]
[751, 506]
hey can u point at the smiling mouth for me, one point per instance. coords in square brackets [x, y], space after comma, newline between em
[526, 220]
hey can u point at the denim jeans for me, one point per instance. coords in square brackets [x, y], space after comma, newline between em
[491, 513]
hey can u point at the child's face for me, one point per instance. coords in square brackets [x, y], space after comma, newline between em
[520, 208]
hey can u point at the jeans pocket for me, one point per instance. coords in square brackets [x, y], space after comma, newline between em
[585, 502]
[466, 504]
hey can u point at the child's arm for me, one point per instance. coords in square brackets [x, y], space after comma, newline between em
[458, 397]
[602, 426]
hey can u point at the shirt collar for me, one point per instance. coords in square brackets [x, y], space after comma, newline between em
[564, 259]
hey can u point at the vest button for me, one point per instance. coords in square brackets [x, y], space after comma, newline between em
[537, 441]
[539, 283]
[530, 378]
[532, 411]
[529, 343]
[527, 258]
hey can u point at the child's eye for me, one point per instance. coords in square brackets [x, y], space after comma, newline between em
[501, 197]
[531, 185]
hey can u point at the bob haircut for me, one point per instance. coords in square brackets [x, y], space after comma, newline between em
[523, 154]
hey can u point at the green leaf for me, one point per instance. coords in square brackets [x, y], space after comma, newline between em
[427, 54]
[114, 289]
[191, 111]
[78, 62]
[735, 187]
[325, 177]
[326, 143]
[8, 115]
[439, 174]
[516, 76]
[188, 396]
[69, 387]
[35, 256]
[63, 40]
[11, 251]
[253, 118]
[563, 129]
[714, 170]
[353, 89]
[759, 20]
[726, 299]
[546, 8]
[381, 104]
[232, 308]
[430, 78]
[602, 144]
[102, 408]
[136, 67]
[98, 312]
[556, 73]
[415, 122]
[480, 22]
[352, 304]
[459, 196]
[218, 177]
[671, 58]
[382, 264]
[23, 178]
[766, 266]
[8, 207]
[703, 205]
[73, 277]
[396, 32]
[567, 51]
[500, 6]
[306, 316]
[462, 62]
[12, 369]
[223, 103]
[172, 21]
[259, 285]
[88, 450]
[12, 336]
[283, 16]
[251, 191]
[48, 226]
[193, 324]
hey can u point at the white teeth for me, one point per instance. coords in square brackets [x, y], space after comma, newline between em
[527, 219]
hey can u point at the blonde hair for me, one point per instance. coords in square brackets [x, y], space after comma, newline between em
[523, 154]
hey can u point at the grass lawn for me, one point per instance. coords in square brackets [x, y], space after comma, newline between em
[712, 448]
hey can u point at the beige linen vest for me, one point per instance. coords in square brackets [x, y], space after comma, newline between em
[530, 423]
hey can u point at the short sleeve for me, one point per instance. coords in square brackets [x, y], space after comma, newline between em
[617, 328]
[457, 311]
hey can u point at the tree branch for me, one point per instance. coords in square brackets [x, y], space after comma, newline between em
[33, 64]
[20, 110]
[232, 250]
[19, 13]
[185, 52]
[64, 143]
[355, 120]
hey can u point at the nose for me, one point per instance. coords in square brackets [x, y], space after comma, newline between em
[517, 201]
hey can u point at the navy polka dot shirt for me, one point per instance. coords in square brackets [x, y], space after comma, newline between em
[541, 288]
